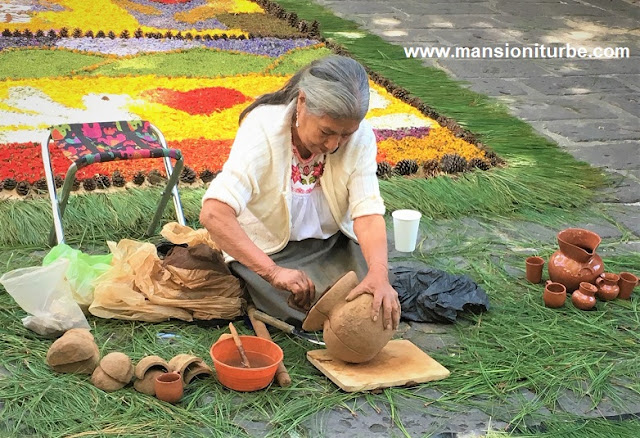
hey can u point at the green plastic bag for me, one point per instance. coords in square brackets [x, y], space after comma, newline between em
[82, 271]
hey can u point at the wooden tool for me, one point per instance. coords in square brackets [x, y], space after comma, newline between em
[236, 339]
[287, 328]
[282, 375]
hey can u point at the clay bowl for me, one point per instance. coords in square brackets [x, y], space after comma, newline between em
[264, 357]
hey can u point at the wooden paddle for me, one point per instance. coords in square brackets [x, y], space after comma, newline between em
[236, 339]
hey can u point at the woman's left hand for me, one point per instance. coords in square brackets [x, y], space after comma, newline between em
[377, 284]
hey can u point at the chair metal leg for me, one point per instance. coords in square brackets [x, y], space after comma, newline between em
[177, 204]
[171, 185]
[57, 232]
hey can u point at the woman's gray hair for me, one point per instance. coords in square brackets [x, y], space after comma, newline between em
[336, 86]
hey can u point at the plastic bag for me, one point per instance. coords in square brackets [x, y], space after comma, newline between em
[431, 295]
[44, 293]
[191, 283]
[82, 271]
[179, 234]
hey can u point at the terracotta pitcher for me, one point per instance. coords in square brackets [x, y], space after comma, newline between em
[576, 260]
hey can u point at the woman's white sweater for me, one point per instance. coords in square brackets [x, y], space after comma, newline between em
[255, 180]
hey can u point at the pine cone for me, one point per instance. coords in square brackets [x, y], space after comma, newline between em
[138, 178]
[118, 180]
[64, 32]
[453, 163]
[89, 184]
[155, 177]
[124, 34]
[52, 34]
[9, 184]
[27, 33]
[207, 176]
[75, 185]
[292, 19]
[493, 158]
[102, 181]
[138, 33]
[39, 33]
[406, 167]
[479, 163]
[23, 188]
[188, 175]
[40, 186]
[384, 170]
[89, 34]
[77, 32]
[59, 181]
[430, 167]
[100, 34]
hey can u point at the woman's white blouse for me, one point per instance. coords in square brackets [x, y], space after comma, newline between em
[310, 214]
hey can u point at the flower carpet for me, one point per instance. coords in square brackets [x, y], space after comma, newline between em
[187, 66]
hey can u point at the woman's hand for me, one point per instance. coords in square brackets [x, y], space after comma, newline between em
[377, 284]
[294, 281]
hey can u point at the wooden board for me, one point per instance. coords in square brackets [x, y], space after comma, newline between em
[399, 363]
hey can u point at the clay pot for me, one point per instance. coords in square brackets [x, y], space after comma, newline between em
[169, 387]
[534, 269]
[74, 352]
[554, 295]
[576, 260]
[608, 286]
[627, 283]
[585, 297]
[114, 372]
[349, 332]
[198, 370]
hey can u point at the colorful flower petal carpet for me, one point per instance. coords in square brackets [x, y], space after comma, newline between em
[189, 67]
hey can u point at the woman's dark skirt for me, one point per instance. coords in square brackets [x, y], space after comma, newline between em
[324, 261]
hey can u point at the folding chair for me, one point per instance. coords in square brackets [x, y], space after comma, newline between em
[90, 143]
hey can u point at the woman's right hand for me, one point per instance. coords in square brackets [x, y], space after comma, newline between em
[294, 281]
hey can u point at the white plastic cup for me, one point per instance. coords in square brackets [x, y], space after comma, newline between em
[405, 229]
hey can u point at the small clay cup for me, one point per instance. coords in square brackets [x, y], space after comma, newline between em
[169, 387]
[554, 294]
[607, 285]
[585, 297]
[627, 283]
[534, 269]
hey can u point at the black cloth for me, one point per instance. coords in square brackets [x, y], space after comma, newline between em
[431, 295]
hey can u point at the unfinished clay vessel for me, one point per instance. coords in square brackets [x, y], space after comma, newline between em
[576, 260]
[585, 297]
[627, 283]
[608, 288]
[114, 372]
[74, 352]
[189, 367]
[349, 332]
[146, 372]
[554, 294]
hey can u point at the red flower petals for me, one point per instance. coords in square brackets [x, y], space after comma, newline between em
[199, 101]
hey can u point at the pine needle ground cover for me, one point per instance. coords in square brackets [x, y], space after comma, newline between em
[512, 363]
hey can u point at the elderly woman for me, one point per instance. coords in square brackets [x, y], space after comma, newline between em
[297, 204]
